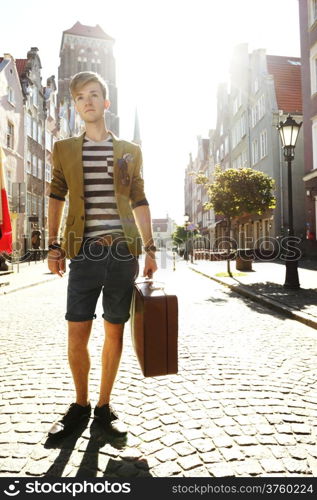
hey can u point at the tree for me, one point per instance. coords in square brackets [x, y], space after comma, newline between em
[181, 234]
[237, 192]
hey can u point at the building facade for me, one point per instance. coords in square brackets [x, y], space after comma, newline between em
[308, 40]
[262, 91]
[12, 142]
[162, 231]
[29, 118]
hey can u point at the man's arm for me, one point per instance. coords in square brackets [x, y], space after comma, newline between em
[55, 212]
[141, 212]
[56, 257]
[58, 191]
[142, 216]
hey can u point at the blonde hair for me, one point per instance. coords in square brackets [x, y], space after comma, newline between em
[80, 79]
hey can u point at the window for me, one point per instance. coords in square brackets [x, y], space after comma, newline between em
[258, 110]
[34, 165]
[10, 135]
[11, 95]
[254, 115]
[221, 129]
[39, 133]
[255, 151]
[261, 104]
[34, 204]
[48, 141]
[313, 69]
[29, 163]
[239, 130]
[313, 11]
[48, 173]
[263, 144]
[314, 134]
[40, 169]
[34, 133]
[29, 125]
[46, 206]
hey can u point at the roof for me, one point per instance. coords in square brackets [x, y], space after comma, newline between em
[21, 65]
[287, 80]
[90, 31]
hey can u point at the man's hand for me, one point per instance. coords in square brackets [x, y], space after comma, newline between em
[57, 261]
[150, 265]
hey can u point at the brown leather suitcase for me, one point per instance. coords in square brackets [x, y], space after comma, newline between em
[154, 328]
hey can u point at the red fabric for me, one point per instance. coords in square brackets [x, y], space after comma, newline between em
[5, 227]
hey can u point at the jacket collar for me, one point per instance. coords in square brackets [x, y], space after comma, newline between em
[117, 146]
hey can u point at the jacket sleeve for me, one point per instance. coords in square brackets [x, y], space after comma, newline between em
[137, 195]
[58, 186]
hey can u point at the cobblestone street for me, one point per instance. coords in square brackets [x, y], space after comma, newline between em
[244, 402]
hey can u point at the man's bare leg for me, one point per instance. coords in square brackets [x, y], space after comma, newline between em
[111, 355]
[78, 357]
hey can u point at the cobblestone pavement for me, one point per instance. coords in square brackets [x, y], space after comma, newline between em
[25, 275]
[243, 404]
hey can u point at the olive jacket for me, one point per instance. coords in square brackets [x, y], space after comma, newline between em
[68, 177]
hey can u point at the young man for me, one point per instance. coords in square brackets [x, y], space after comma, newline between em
[107, 213]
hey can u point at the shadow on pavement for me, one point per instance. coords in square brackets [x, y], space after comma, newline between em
[90, 463]
[215, 300]
[67, 446]
[295, 298]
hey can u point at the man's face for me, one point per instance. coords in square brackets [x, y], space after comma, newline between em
[90, 103]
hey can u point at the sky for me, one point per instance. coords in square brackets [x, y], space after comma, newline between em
[170, 57]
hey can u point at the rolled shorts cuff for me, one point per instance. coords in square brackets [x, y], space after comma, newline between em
[116, 321]
[79, 317]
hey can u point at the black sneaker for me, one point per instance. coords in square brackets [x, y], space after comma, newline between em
[72, 418]
[106, 416]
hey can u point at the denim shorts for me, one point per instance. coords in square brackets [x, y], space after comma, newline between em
[112, 269]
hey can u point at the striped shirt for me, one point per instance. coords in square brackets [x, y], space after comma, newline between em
[101, 212]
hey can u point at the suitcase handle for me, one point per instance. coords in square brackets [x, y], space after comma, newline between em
[150, 282]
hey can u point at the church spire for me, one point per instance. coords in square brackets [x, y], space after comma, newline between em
[137, 135]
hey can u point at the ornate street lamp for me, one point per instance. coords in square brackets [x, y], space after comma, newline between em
[289, 130]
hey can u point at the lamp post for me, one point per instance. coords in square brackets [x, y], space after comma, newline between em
[289, 130]
[186, 222]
